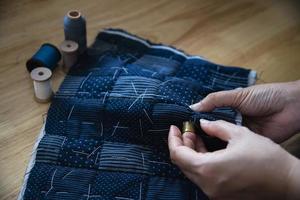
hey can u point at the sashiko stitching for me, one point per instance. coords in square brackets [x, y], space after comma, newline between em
[105, 136]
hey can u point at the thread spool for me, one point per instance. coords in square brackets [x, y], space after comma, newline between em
[75, 29]
[47, 56]
[69, 51]
[41, 83]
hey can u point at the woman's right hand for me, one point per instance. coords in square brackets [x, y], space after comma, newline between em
[272, 110]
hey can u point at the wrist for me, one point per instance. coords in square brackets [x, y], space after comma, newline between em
[293, 184]
[293, 99]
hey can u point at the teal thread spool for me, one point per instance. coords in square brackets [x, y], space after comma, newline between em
[47, 56]
[75, 29]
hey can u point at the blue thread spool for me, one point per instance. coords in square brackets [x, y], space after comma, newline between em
[47, 56]
[75, 29]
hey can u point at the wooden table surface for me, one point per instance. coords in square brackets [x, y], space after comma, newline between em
[264, 36]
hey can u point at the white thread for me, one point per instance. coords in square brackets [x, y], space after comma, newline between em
[70, 113]
[93, 151]
[88, 76]
[67, 174]
[62, 144]
[88, 195]
[52, 179]
[164, 163]
[135, 101]
[115, 128]
[101, 128]
[143, 160]
[134, 88]
[80, 152]
[148, 116]
[103, 101]
[141, 128]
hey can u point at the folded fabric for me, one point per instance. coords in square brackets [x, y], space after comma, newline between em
[106, 131]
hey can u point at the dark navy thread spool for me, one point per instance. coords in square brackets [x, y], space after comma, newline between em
[47, 56]
[75, 29]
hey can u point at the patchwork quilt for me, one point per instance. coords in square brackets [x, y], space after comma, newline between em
[106, 131]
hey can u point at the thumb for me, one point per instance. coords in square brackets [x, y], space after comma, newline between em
[231, 98]
[180, 154]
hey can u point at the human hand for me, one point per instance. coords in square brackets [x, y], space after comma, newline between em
[271, 110]
[251, 166]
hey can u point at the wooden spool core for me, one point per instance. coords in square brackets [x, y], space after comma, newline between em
[69, 46]
[74, 14]
[41, 74]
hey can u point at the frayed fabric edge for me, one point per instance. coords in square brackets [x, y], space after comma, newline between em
[31, 162]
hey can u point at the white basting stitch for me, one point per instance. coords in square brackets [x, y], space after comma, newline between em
[96, 158]
[140, 198]
[120, 157]
[88, 195]
[213, 83]
[141, 128]
[91, 123]
[67, 174]
[196, 193]
[135, 101]
[122, 127]
[227, 80]
[158, 162]
[115, 73]
[125, 70]
[104, 97]
[88, 76]
[93, 151]
[165, 82]
[143, 160]
[80, 152]
[124, 198]
[62, 144]
[100, 59]
[61, 192]
[144, 94]
[148, 116]
[134, 88]
[101, 128]
[154, 74]
[70, 113]
[115, 128]
[158, 130]
[51, 184]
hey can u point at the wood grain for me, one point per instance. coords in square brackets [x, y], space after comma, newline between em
[261, 35]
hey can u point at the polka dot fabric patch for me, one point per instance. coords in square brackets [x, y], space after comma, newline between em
[106, 131]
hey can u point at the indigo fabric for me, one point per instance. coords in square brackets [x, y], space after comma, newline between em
[106, 131]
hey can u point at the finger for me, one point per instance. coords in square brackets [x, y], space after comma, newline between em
[181, 155]
[200, 146]
[218, 99]
[189, 139]
[175, 137]
[220, 129]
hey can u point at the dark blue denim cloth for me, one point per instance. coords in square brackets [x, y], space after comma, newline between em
[106, 131]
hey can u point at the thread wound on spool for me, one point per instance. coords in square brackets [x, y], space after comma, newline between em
[69, 51]
[46, 56]
[75, 29]
[41, 82]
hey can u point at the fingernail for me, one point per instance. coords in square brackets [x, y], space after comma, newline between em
[204, 121]
[196, 106]
[171, 128]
